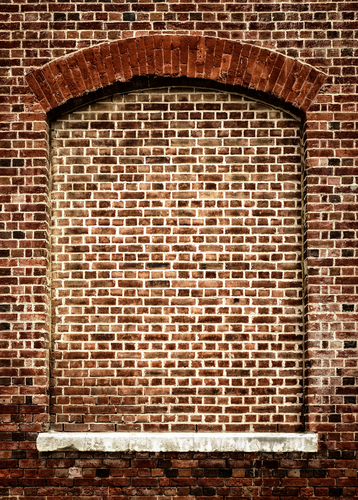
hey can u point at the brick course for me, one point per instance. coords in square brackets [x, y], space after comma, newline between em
[318, 35]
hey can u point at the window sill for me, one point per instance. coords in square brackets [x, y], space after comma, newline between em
[178, 441]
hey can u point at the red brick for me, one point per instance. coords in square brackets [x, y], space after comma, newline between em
[91, 60]
[85, 72]
[107, 58]
[133, 60]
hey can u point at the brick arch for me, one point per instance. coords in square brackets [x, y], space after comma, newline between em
[248, 68]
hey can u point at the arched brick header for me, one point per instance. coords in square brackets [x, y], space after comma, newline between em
[221, 61]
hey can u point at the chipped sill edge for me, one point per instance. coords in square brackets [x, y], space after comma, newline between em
[278, 442]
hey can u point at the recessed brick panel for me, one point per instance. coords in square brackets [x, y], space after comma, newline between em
[176, 264]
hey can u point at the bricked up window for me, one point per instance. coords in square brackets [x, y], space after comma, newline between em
[176, 264]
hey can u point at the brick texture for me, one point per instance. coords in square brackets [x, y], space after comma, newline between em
[177, 281]
[57, 56]
[286, 81]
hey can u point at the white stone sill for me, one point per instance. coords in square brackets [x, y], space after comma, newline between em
[178, 441]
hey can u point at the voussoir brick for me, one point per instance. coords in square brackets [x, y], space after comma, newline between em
[170, 262]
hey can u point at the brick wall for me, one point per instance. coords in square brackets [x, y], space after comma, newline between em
[177, 280]
[321, 35]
